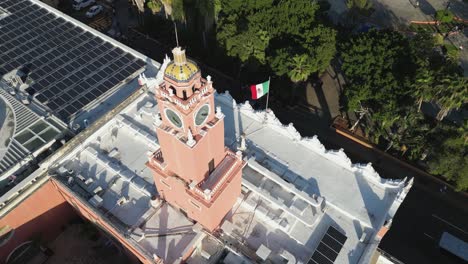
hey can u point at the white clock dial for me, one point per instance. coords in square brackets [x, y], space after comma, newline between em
[173, 117]
[202, 114]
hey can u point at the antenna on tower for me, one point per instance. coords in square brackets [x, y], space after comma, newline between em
[176, 37]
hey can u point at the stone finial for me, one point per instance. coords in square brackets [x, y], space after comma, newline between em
[166, 60]
[219, 113]
[207, 193]
[243, 145]
[141, 80]
[208, 78]
[157, 120]
[171, 92]
[192, 185]
[190, 140]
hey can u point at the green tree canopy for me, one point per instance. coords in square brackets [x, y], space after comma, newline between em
[392, 75]
[377, 68]
[444, 16]
[450, 156]
[276, 32]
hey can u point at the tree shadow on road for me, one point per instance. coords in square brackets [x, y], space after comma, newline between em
[426, 7]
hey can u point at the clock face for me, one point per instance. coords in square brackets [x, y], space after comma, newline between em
[173, 117]
[202, 114]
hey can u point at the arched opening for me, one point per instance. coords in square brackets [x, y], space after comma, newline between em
[23, 253]
[184, 94]
[173, 90]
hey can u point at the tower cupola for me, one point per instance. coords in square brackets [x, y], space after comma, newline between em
[180, 69]
[182, 75]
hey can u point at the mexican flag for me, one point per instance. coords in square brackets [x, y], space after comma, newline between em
[259, 90]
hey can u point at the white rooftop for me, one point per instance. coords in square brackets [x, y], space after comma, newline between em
[293, 189]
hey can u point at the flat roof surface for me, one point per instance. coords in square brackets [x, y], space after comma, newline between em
[354, 188]
[68, 65]
[297, 189]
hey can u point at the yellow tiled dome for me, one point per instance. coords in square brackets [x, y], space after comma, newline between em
[183, 72]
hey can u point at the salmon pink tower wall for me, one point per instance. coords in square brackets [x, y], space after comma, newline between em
[193, 170]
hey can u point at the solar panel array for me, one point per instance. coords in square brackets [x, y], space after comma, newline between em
[329, 247]
[70, 67]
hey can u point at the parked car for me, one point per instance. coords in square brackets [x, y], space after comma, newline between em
[94, 10]
[80, 4]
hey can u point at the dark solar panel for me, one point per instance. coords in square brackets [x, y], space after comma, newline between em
[319, 259]
[70, 67]
[329, 247]
[340, 237]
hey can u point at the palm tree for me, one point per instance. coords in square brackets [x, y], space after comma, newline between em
[424, 87]
[362, 112]
[452, 94]
[300, 70]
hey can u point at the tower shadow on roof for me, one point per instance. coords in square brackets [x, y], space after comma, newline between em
[281, 169]
[163, 219]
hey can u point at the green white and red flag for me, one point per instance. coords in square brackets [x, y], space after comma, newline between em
[259, 90]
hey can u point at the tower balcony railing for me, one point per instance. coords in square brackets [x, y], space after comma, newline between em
[157, 160]
[208, 189]
[189, 102]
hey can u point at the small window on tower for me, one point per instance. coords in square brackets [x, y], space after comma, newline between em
[211, 166]
[195, 205]
[165, 183]
[184, 93]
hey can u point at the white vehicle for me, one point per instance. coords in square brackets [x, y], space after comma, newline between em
[80, 4]
[94, 10]
[454, 245]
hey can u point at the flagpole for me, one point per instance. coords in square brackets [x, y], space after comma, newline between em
[268, 95]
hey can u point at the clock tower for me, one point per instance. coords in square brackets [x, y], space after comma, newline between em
[193, 170]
